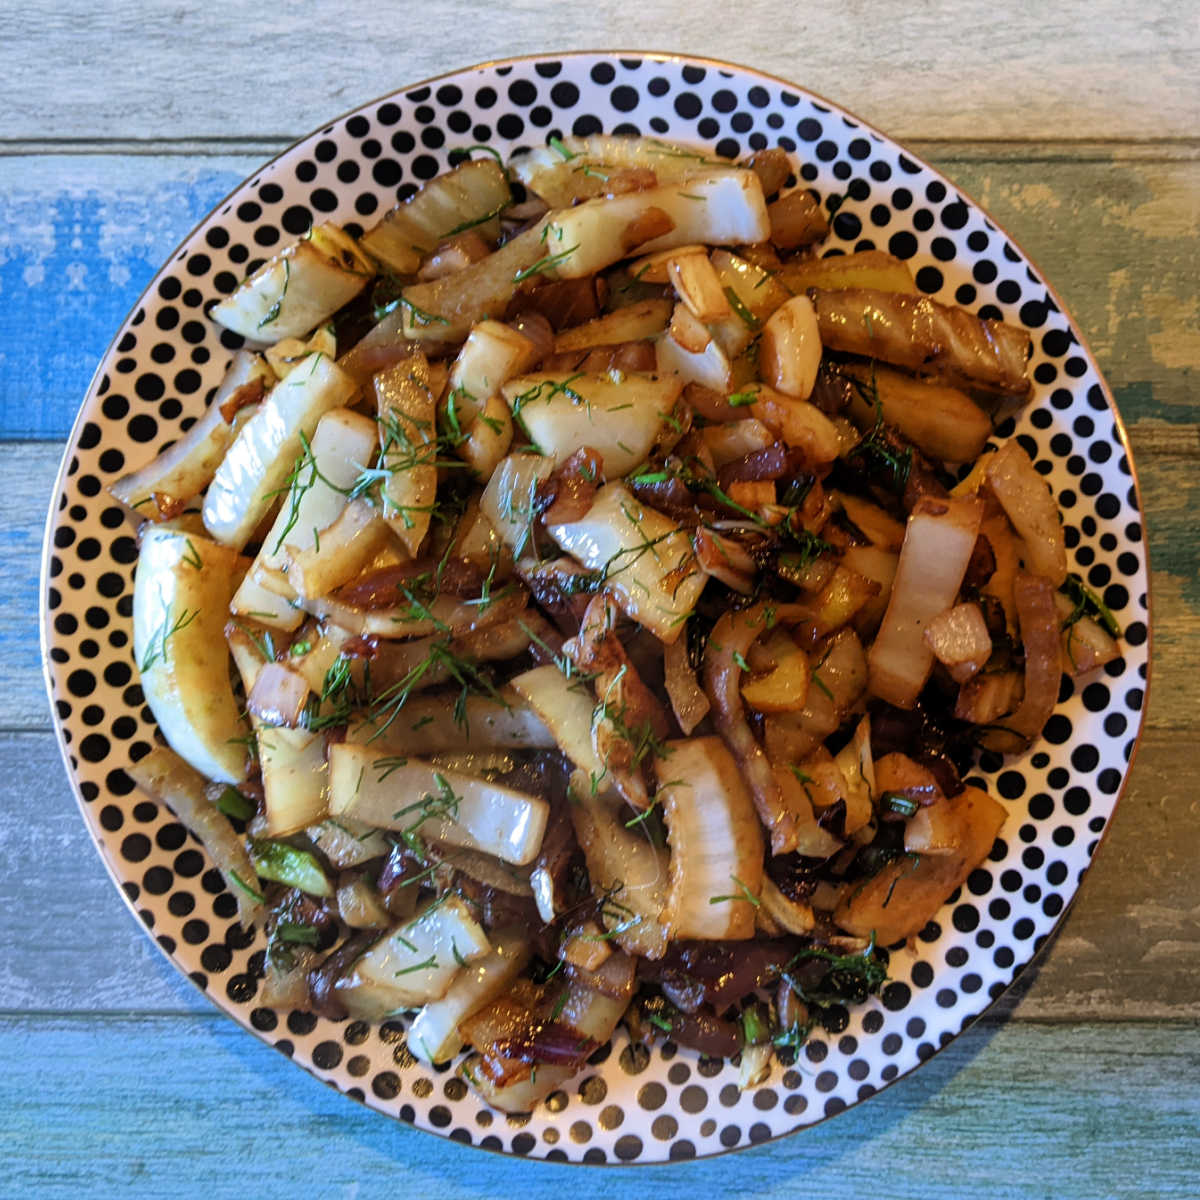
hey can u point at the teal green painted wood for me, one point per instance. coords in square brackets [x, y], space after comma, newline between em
[177, 1107]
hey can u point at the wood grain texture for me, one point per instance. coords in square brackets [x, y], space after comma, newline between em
[1126, 951]
[1075, 124]
[971, 69]
[1009, 1113]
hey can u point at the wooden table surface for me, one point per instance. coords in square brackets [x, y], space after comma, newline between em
[1075, 124]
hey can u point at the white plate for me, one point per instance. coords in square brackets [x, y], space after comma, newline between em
[166, 359]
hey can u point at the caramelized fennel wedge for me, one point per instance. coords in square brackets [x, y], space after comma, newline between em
[715, 840]
[923, 335]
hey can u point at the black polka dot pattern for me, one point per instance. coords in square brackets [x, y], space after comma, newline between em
[635, 1105]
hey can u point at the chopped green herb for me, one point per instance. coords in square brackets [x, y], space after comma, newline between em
[547, 263]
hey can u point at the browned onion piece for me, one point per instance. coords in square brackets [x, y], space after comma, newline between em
[546, 1042]
[278, 696]
[248, 393]
[705, 1033]
[733, 635]
[560, 586]
[322, 980]
[538, 330]
[383, 588]
[562, 302]
[688, 700]
[922, 335]
[569, 492]
[776, 461]
[453, 255]
[599, 360]
[1037, 618]
[724, 559]
[407, 662]
[772, 167]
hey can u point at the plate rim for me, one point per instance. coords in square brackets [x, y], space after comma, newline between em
[721, 65]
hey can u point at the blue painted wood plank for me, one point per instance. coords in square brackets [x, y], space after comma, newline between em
[174, 1107]
[81, 237]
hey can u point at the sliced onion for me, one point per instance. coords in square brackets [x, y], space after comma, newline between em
[724, 559]
[278, 696]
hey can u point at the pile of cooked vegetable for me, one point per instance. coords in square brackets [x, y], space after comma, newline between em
[616, 591]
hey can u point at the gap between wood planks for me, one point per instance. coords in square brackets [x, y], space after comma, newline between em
[945, 150]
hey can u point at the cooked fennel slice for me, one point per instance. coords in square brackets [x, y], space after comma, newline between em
[618, 416]
[508, 500]
[472, 196]
[646, 559]
[264, 453]
[292, 760]
[433, 1035]
[416, 963]
[342, 444]
[492, 354]
[185, 468]
[426, 726]
[450, 807]
[566, 706]
[406, 410]
[443, 310]
[299, 288]
[715, 838]
[718, 207]
[577, 168]
[180, 604]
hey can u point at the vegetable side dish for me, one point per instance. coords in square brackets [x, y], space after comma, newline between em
[616, 591]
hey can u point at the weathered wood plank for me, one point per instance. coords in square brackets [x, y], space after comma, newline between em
[1127, 951]
[75, 945]
[30, 471]
[88, 1109]
[1097, 70]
